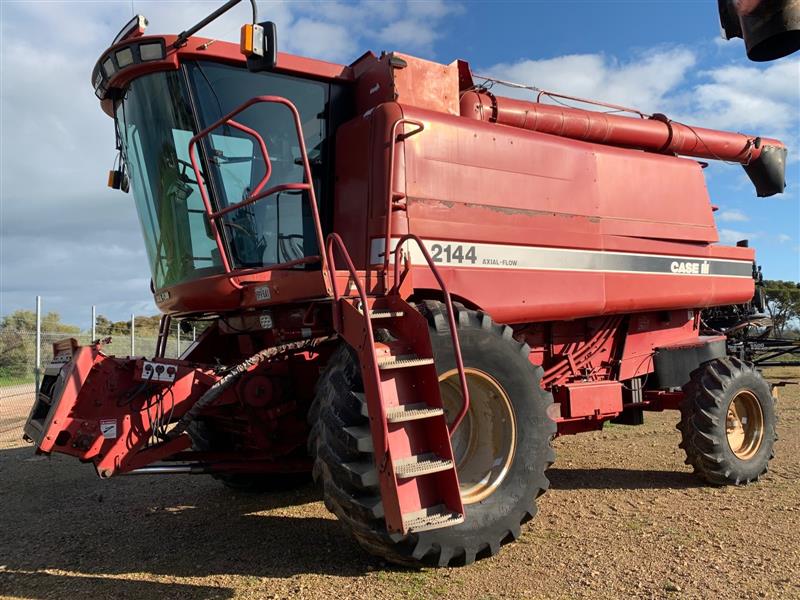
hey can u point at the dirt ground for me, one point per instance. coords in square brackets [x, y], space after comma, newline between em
[624, 518]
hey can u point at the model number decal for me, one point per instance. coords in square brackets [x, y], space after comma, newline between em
[453, 253]
[467, 254]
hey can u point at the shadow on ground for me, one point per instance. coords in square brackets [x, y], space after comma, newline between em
[64, 529]
[620, 479]
[57, 587]
[57, 515]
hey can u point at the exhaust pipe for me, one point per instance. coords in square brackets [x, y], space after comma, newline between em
[770, 28]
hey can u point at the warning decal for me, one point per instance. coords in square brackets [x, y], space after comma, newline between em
[108, 427]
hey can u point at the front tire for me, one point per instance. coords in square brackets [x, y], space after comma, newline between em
[728, 422]
[499, 368]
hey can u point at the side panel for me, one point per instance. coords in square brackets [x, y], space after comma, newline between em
[537, 181]
[641, 224]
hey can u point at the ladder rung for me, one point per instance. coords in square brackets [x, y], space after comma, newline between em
[421, 464]
[432, 517]
[402, 362]
[411, 412]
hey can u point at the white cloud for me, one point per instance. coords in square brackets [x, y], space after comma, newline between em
[408, 33]
[731, 236]
[641, 82]
[63, 234]
[732, 215]
[762, 99]
[325, 39]
[783, 238]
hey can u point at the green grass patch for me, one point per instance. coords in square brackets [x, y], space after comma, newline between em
[8, 380]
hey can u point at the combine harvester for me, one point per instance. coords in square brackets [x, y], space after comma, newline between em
[409, 286]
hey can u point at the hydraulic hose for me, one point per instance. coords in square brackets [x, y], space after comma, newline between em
[214, 392]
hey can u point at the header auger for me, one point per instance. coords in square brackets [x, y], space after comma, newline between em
[409, 286]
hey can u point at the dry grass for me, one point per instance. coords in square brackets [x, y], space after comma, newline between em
[624, 518]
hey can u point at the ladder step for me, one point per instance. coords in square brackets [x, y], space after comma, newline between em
[421, 464]
[384, 314]
[432, 517]
[402, 362]
[411, 412]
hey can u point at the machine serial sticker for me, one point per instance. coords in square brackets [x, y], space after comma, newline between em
[540, 258]
[108, 427]
[263, 293]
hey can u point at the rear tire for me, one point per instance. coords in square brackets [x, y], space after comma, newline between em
[341, 444]
[728, 422]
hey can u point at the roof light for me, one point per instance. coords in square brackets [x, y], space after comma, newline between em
[133, 28]
[252, 40]
[151, 51]
[124, 57]
[108, 67]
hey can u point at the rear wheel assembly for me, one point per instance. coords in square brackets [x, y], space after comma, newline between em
[728, 422]
[501, 449]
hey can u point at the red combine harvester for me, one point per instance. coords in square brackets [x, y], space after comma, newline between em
[409, 285]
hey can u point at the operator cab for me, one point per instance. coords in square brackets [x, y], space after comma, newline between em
[162, 100]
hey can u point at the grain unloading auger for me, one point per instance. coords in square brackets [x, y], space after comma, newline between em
[409, 285]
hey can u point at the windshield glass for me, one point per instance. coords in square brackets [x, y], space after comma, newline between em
[279, 228]
[155, 124]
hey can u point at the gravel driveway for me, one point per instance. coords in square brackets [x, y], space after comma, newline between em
[624, 518]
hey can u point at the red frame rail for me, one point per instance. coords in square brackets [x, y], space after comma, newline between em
[391, 195]
[257, 193]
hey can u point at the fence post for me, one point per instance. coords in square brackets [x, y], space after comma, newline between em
[38, 354]
[133, 335]
[94, 322]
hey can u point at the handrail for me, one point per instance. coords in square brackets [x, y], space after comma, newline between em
[257, 194]
[462, 377]
[387, 248]
[262, 147]
[335, 238]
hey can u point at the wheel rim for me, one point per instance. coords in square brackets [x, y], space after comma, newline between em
[483, 444]
[744, 425]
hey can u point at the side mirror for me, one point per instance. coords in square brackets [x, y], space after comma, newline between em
[118, 180]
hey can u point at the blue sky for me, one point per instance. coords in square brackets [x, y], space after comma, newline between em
[65, 236]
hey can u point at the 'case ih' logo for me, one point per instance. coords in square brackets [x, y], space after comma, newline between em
[689, 268]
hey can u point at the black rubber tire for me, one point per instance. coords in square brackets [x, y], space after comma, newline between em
[205, 439]
[341, 445]
[704, 417]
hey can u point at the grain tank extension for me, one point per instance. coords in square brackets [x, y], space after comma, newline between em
[406, 286]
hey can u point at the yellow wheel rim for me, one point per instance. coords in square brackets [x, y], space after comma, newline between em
[744, 425]
[484, 443]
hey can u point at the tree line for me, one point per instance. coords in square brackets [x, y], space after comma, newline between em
[17, 341]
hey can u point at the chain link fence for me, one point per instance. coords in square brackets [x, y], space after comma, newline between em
[18, 384]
